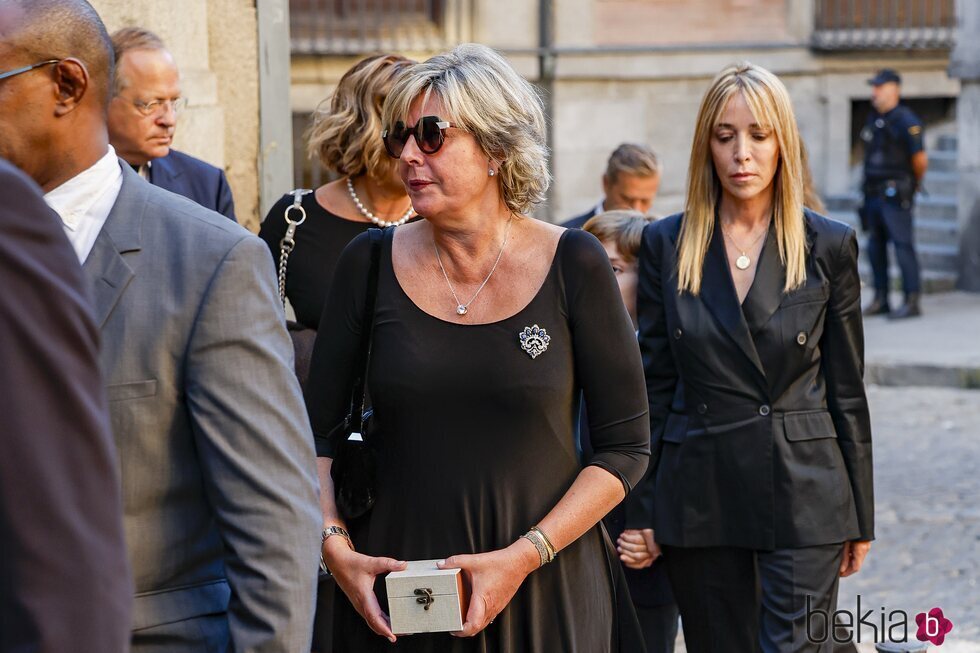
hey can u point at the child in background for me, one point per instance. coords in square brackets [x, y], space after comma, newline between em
[620, 233]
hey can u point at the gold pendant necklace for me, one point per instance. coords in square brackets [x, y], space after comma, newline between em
[743, 261]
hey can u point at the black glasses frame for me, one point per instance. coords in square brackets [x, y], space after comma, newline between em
[27, 69]
[428, 141]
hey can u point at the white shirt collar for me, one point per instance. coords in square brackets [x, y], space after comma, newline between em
[85, 200]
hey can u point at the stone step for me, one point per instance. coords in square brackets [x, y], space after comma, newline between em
[942, 161]
[942, 183]
[932, 281]
[938, 257]
[936, 207]
[936, 232]
[927, 207]
[927, 230]
[947, 143]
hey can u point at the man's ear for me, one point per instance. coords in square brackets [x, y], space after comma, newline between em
[72, 80]
[606, 185]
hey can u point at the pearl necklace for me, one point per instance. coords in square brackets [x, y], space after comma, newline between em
[372, 217]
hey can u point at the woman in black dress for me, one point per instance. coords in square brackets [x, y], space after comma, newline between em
[750, 326]
[488, 325]
[346, 137]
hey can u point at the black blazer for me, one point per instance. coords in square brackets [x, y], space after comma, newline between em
[194, 179]
[761, 436]
[579, 221]
[64, 575]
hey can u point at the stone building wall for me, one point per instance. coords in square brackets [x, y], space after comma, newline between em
[635, 70]
[215, 45]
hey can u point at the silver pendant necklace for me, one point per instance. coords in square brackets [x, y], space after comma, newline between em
[461, 308]
[372, 217]
[743, 261]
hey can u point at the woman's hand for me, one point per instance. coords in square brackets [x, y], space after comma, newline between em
[355, 574]
[854, 554]
[637, 548]
[493, 579]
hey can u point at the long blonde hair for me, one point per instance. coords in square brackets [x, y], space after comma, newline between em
[771, 106]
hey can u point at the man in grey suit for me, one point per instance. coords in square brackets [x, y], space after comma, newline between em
[216, 455]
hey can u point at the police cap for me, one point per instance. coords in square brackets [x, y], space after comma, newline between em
[884, 76]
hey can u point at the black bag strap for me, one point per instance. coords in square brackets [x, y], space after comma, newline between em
[367, 331]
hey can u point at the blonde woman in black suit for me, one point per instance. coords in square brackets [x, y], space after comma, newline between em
[750, 327]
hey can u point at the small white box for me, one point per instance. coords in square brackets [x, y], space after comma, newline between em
[426, 599]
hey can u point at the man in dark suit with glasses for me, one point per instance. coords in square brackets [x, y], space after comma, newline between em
[143, 116]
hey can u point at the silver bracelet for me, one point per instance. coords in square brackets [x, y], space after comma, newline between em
[545, 552]
[328, 532]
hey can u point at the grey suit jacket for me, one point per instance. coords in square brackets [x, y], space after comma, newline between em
[218, 473]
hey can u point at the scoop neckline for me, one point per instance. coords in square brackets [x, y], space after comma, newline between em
[551, 271]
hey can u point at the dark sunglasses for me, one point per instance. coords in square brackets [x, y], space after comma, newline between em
[428, 132]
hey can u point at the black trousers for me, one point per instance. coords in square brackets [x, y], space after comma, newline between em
[323, 618]
[889, 222]
[659, 626]
[736, 600]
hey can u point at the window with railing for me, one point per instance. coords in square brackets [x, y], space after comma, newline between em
[352, 27]
[884, 24]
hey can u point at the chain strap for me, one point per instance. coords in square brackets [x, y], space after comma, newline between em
[288, 241]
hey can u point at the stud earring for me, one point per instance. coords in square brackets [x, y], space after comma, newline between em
[491, 172]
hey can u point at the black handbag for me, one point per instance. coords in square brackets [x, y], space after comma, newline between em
[354, 468]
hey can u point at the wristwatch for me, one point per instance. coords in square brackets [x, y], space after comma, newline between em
[328, 532]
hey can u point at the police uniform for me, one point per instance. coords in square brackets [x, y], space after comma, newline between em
[890, 141]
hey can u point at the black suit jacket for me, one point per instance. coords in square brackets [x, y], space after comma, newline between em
[64, 580]
[761, 433]
[579, 221]
[194, 179]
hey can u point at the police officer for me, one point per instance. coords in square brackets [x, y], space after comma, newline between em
[894, 165]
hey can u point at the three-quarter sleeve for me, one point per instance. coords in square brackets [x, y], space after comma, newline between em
[335, 353]
[842, 356]
[607, 360]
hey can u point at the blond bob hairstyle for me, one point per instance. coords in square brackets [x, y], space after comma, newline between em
[771, 106]
[346, 131]
[624, 229]
[484, 96]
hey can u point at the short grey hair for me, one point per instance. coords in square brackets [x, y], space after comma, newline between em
[128, 39]
[632, 159]
[485, 96]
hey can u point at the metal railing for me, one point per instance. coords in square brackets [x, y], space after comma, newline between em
[353, 27]
[884, 24]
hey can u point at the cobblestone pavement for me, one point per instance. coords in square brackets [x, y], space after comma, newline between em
[927, 486]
